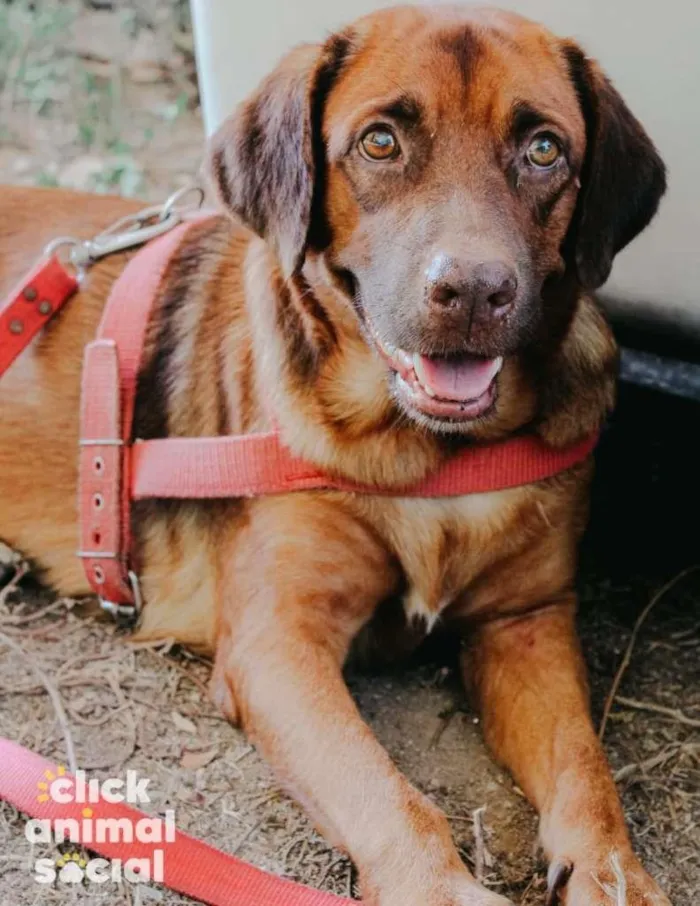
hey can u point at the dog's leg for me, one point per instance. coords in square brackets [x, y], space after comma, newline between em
[298, 589]
[529, 680]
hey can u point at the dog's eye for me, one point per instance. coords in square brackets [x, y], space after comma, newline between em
[543, 151]
[379, 143]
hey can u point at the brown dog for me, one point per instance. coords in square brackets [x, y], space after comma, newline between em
[427, 199]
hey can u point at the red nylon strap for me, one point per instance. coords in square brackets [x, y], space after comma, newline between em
[190, 866]
[108, 396]
[255, 464]
[100, 468]
[33, 302]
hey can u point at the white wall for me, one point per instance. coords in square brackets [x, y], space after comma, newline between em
[649, 49]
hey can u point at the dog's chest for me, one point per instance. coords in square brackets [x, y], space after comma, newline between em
[444, 545]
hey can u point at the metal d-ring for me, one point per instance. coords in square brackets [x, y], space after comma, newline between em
[72, 258]
[172, 205]
[126, 613]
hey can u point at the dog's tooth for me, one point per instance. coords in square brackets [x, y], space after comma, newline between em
[418, 367]
[404, 358]
[420, 375]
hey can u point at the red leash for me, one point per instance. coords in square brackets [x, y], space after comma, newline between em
[189, 866]
[29, 306]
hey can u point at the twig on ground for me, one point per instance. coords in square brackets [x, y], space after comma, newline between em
[482, 857]
[683, 634]
[61, 683]
[535, 884]
[61, 604]
[246, 835]
[171, 662]
[99, 721]
[674, 713]
[125, 706]
[258, 801]
[13, 584]
[446, 719]
[627, 657]
[244, 754]
[341, 860]
[297, 838]
[648, 764]
[54, 695]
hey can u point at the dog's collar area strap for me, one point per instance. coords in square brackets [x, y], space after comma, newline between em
[253, 465]
[190, 866]
[31, 304]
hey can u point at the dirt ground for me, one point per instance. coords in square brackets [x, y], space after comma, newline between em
[105, 99]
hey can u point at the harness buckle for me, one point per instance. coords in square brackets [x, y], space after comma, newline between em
[125, 614]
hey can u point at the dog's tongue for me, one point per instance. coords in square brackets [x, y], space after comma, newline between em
[463, 378]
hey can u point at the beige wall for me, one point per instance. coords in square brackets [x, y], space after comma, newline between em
[649, 49]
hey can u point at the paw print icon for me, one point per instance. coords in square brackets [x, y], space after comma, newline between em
[71, 868]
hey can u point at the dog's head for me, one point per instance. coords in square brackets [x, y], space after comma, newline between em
[457, 179]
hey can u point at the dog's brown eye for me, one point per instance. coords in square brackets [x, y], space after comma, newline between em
[544, 151]
[379, 143]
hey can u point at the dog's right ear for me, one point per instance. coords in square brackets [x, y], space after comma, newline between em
[623, 177]
[265, 160]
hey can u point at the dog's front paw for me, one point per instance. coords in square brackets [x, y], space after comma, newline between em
[615, 879]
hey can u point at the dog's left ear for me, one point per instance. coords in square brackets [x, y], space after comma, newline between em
[622, 180]
[265, 159]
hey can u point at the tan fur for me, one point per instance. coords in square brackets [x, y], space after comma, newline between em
[254, 330]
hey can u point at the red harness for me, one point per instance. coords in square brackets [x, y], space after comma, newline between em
[114, 469]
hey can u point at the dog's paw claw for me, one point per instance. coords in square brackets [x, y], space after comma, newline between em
[557, 876]
[614, 877]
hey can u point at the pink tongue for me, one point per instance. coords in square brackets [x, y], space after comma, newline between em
[465, 378]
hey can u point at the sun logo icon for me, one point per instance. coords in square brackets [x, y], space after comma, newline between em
[71, 868]
[45, 785]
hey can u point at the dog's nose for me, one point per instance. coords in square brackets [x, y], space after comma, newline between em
[489, 285]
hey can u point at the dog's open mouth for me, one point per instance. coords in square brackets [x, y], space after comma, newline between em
[459, 387]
